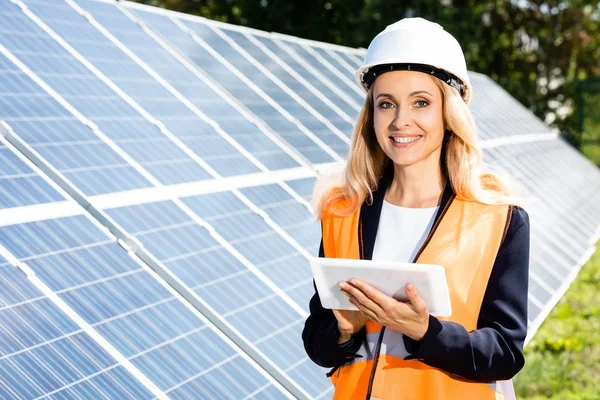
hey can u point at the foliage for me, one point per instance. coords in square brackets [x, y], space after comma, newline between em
[563, 358]
[589, 119]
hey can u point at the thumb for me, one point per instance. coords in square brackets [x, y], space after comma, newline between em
[414, 298]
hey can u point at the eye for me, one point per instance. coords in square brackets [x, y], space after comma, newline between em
[385, 105]
[421, 104]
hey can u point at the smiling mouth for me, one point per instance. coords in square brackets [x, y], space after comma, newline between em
[405, 139]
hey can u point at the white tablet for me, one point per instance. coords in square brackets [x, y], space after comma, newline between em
[390, 278]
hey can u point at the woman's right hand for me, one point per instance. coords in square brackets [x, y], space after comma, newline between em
[349, 322]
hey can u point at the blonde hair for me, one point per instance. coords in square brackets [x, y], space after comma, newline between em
[461, 161]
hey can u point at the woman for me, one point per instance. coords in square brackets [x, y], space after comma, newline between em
[413, 191]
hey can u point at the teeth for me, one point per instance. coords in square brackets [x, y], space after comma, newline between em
[405, 139]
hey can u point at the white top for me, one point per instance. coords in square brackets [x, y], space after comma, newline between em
[401, 232]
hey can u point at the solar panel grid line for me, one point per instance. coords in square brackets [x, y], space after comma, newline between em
[249, 115]
[531, 297]
[137, 249]
[516, 139]
[555, 199]
[253, 34]
[147, 195]
[134, 244]
[339, 79]
[238, 86]
[199, 305]
[316, 43]
[284, 87]
[189, 306]
[350, 69]
[83, 119]
[258, 90]
[316, 73]
[144, 267]
[86, 327]
[558, 294]
[326, 64]
[357, 58]
[181, 98]
[298, 77]
[540, 281]
[513, 102]
[558, 237]
[163, 129]
[582, 220]
[239, 256]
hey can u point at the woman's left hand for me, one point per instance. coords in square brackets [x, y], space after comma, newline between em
[409, 318]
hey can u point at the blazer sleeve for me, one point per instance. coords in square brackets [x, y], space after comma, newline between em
[320, 335]
[493, 351]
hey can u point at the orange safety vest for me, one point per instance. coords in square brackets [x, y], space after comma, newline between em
[465, 241]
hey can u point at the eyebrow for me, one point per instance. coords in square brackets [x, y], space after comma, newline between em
[411, 95]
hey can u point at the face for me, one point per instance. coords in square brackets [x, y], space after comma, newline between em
[408, 117]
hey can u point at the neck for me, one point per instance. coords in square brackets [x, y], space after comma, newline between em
[416, 186]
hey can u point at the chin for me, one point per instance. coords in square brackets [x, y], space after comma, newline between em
[405, 161]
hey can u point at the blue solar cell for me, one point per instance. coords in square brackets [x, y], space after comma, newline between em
[145, 90]
[338, 97]
[125, 304]
[347, 85]
[331, 57]
[292, 216]
[217, 71]
[60, 138]
[43, 351]
[235, 292]
[94, 98]
[267, 85]
[313, 99]
[20, 185]
[515, 119]
[199, 137]
[353, 60]
[304, 187]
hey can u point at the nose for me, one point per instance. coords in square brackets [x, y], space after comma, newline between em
[402, 118]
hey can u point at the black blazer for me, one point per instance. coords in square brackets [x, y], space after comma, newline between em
[494, 351]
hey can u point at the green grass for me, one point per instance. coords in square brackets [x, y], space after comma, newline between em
[592, 152]
[563, 358]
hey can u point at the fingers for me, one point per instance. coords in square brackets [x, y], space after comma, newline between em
[354, 292]
[416, 301]
[365, 311]
[369, 291]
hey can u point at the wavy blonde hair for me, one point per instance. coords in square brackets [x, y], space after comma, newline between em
[461, 162]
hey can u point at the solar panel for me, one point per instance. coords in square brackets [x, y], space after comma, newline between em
[124, 303]
[194, 107]
[315, 100]
[72, 147]
[192, 148]
[20, 185]
[116, 118]
[344, 81]
[287, 122]
[241, 288]
[44, 352]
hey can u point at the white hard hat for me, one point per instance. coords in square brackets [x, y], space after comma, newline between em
[418, 45]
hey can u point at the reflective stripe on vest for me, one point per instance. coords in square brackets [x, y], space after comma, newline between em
[465, 242]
